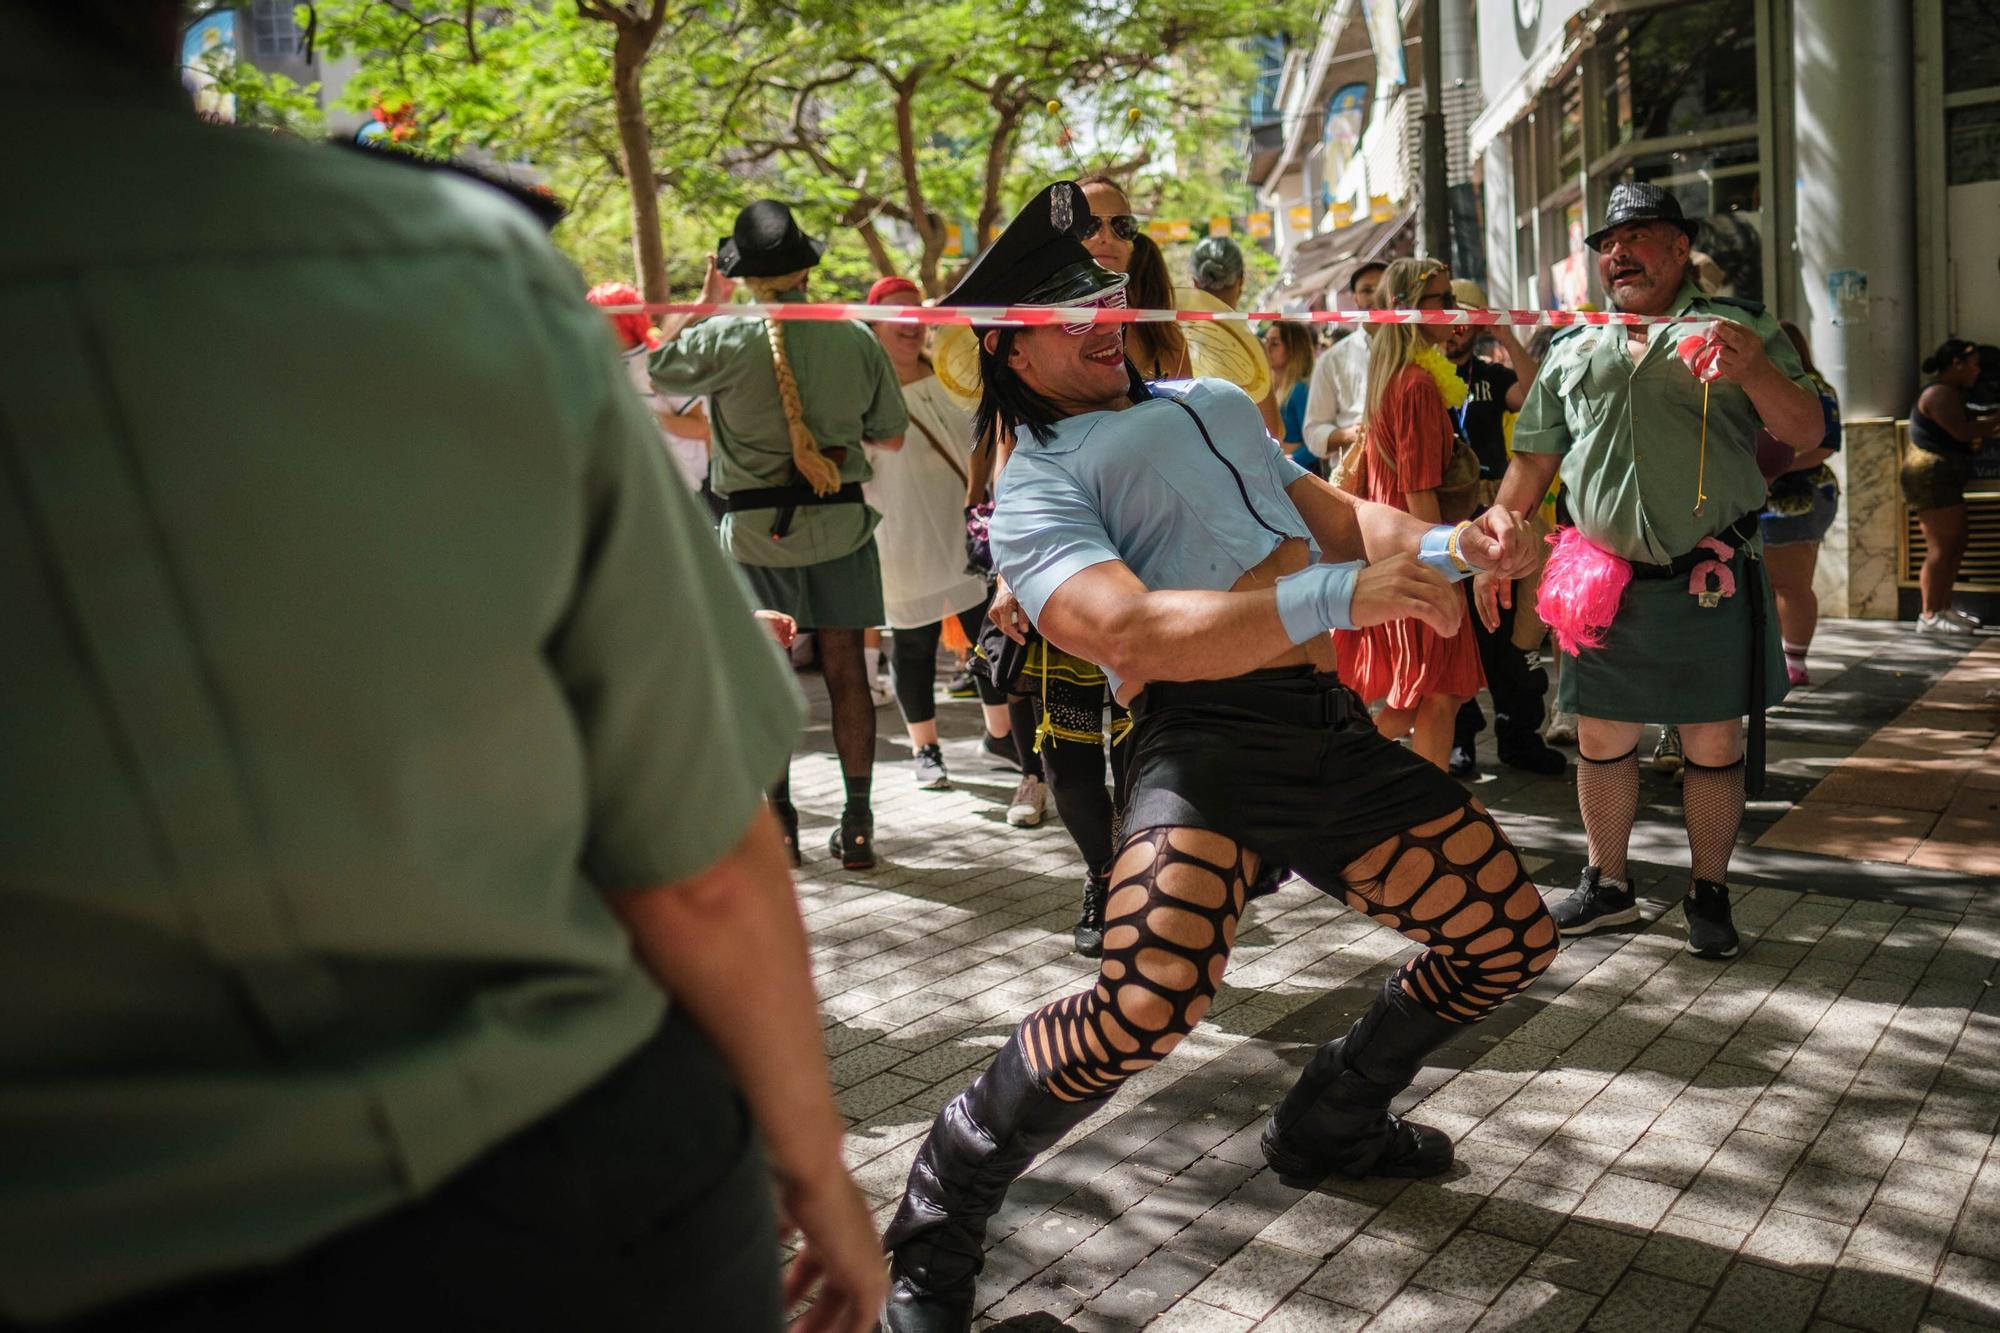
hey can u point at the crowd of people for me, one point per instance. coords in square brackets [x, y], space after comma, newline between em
[401, 917]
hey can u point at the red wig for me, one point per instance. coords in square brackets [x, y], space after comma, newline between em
[633, 328]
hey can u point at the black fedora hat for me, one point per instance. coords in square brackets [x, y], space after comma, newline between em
[1639, 201]
[766, 243]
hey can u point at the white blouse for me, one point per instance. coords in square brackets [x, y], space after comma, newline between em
[921, 498]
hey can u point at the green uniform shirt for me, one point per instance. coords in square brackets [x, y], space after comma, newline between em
[358, 639]
[1630, 432]
[849, 393]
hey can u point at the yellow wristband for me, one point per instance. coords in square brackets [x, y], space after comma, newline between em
[1451, 549]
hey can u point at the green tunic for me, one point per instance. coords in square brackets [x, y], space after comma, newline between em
[359, 640]
[1630, 438]
[849, 393]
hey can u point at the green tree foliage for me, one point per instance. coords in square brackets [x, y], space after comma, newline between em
[885, 124]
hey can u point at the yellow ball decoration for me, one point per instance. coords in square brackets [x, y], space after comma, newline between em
[1133, 115]
[1055, 107]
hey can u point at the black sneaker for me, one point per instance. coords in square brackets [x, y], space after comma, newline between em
[1711, 934]
[959, 685]
[1464, 762]
[1595, 905]
[1534, 755]
[1089, 933]
[930, 768]
[854, 842]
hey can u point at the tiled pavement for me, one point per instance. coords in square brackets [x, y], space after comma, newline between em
[1797, 1139]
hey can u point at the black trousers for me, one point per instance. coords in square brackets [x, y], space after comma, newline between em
[1517, 692]
[644, 1203]
[913, 665]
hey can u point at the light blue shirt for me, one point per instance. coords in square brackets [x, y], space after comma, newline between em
[1140, 486]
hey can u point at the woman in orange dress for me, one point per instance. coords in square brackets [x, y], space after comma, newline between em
[1420, 676]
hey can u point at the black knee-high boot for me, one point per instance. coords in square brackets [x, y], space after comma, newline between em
[979, 1145]
[1336, 1118]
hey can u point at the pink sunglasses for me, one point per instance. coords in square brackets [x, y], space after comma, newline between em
[1112, 300]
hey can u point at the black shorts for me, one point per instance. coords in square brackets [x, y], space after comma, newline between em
[1284, 761]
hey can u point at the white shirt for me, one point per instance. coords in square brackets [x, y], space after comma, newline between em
[1338, 391]
[921, 498]
[690, 456]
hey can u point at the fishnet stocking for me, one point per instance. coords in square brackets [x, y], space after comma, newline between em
[1712, 808]
[1169, 923]
[1454, 884]
[1607, 791]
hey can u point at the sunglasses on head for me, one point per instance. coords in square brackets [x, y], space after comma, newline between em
[1113, 300]
[1123, 225]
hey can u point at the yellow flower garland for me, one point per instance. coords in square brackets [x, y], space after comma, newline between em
[1439, 367]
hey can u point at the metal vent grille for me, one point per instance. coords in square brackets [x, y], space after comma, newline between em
[1980, 571]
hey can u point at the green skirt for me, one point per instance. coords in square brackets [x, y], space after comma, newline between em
[843, 593]
[1667, 658]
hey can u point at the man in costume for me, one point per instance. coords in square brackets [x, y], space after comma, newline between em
[791, 404]
[1661, 473]
[1338, 389]
[1158, 530]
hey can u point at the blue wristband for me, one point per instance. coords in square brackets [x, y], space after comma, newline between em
[1317, 599]
[1432, 551]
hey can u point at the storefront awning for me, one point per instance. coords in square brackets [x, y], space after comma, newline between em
[1322, 263]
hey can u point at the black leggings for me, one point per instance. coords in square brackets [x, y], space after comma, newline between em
[913, 666]
[1074, 766]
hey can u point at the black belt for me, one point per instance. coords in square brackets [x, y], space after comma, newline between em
[1324, 704]
[1737, 534]
[787, 500]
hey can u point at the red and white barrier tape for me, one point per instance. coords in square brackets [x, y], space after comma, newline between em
[1037, 316]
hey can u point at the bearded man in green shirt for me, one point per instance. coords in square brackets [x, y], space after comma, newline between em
[1660, 471]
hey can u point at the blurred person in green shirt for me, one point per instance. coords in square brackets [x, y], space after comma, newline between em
[391, 924]
[1660, 471]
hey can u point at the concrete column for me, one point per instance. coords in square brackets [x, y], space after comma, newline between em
[1853, 66]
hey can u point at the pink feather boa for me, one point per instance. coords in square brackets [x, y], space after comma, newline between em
[1582, 585]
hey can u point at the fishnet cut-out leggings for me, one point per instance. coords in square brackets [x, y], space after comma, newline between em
[1170, 921]
[1456, 885]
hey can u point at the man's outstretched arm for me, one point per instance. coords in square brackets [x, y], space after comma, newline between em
[1350, 528]
[1105, 615]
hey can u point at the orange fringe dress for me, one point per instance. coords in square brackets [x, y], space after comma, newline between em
[1405, 660]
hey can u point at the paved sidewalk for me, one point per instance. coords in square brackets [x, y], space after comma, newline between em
[1799, 1138]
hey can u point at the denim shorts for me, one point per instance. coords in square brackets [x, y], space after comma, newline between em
[1812, 526]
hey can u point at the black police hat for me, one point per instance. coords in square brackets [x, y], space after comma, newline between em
[1039, 259]
[1639, 201]
[766, 243]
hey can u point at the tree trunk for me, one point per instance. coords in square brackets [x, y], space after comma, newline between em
[885, 263]
[999, 153]
[635, 142]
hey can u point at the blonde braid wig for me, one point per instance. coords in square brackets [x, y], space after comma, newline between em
[820, 472]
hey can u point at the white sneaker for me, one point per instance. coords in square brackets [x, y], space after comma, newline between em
[1965, 618]
[882, 692]
[1941, 624]
[1561, 729]
[1030, 803]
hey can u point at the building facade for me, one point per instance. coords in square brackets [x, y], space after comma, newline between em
[1843, 161]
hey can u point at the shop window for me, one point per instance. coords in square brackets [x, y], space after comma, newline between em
[1720, 189]
[1569, 129]
[1972, 144]
[274, 31]
[1971, 46]
[1681, 70]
